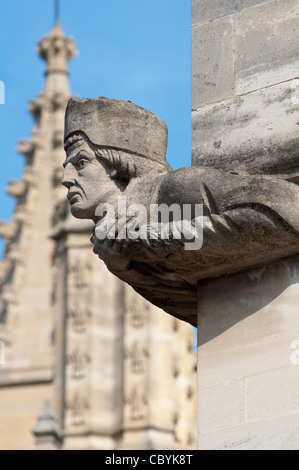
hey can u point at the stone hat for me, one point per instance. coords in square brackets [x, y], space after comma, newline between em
[118, 124]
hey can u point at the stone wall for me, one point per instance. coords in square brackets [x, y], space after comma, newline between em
[245, 100]
[19, 408]
[248, 373]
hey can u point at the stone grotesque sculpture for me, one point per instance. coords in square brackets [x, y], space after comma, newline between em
[117, 150]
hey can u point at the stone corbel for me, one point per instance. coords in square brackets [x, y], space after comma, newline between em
[245, 221]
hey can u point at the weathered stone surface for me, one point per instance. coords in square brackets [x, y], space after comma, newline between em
[248, 321]
[274, 392]
[46, 430]
[256, 133]
[19, 413]
[118, 124]
[258, 435]
[205, 10]
[213, 73]
[266, 45]
[247, 221]
[221, 405]
[247, 325]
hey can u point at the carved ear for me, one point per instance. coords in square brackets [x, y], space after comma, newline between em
[126, 169]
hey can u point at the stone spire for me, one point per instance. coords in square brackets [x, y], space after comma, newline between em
[112, 365]
[25, 272]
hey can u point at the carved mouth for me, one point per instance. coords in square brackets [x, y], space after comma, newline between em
[73, 197]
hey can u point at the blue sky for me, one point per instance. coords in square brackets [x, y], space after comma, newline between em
[136, 50]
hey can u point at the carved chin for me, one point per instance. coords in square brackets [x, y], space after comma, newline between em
[82, 212]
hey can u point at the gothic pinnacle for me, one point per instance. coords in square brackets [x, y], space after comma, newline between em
[57, 49]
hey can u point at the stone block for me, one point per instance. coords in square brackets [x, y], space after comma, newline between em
[275, 434]
[235, 331]
[256, 133]
[248, 323]
[23, 375]
[272, 393]
[267, 38]
[205, 10]
[212, 74]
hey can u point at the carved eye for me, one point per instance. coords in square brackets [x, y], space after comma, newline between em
[81, 164]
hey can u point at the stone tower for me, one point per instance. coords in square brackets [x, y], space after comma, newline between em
[89, 363]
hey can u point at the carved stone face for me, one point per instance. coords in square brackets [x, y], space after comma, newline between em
[87, 181]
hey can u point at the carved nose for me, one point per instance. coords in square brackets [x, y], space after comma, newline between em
[68, 177]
